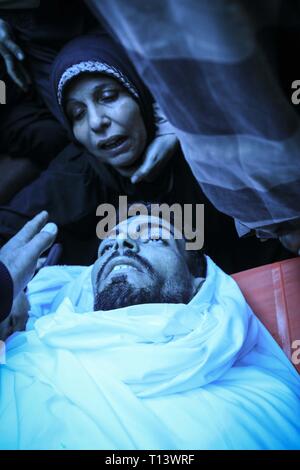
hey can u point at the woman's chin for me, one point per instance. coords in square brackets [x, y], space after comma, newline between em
[127, 166]
[128, 169]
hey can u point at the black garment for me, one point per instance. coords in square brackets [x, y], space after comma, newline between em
[29, 130]
[6, 292]
[41, 32]
[27, 127]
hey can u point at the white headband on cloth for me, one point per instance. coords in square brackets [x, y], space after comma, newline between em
[91, 66]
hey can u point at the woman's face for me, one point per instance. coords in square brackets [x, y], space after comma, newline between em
[107, 121]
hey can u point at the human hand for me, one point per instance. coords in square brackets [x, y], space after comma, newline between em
[17, 319]
[13, 57]
[157, 155]
[21, 253]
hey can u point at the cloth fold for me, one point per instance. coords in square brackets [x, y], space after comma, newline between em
[160, 376]
[221, 73]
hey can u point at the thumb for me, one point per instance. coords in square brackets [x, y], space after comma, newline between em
[142, 171]
[51, 228]
[42, 241]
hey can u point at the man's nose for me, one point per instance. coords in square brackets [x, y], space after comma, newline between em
[99, 121]
[124, 243]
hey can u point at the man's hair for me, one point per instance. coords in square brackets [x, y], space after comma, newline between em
[195, 258]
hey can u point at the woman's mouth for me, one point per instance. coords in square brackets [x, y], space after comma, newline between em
[118, 151]
[115, 143]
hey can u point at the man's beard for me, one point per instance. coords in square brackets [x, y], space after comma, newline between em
[120, 293]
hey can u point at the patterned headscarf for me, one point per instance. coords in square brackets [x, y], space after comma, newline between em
[98, 52]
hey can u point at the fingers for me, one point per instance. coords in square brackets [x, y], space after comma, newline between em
[17, 73]
[42, 241]
[6, 41]
[142, 172]
[23, 76]
[12, 56]
[12, 47]
[150, 161]
[156, 156]
[32, 228]
[21, 253]
[15, 70]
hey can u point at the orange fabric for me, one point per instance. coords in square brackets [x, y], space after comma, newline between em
[273, 292]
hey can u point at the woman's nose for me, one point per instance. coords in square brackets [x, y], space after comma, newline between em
[99, 121]
[124, 243]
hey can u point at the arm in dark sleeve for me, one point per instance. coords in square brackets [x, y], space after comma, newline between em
[67, 189]
[6, 292]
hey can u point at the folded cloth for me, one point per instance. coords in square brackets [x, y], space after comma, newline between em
[206, 375]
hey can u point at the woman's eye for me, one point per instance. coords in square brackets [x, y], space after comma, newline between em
[109, 95]
[77, 115]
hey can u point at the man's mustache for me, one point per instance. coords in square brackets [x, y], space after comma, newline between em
[128, 254]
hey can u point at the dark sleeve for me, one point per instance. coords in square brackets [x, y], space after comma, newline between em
[67, 189]
[6, 292]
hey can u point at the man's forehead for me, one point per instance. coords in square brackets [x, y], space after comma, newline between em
[140, 223]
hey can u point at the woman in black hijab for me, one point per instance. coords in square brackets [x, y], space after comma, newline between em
[75, 183]
[96, 62]
[110, 114]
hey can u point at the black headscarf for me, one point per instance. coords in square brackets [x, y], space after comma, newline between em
[98, 52]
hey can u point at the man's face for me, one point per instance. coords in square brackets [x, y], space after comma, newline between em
[141, 263]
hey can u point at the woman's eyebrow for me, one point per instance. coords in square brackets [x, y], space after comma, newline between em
[101, 86]
[95, 89]
[71, 100]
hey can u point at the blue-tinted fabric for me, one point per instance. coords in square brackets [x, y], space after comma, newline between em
[206, 375]
[221, 74]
